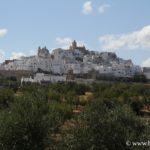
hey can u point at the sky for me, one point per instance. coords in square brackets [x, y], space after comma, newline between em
[120, 26]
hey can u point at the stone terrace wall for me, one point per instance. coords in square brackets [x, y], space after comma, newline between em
[17, 74]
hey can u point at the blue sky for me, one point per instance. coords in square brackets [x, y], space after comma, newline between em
[122, 26]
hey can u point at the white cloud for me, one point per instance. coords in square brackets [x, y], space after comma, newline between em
[103, 8]
[87, 8]
[17, 55]
[64, 42]
[3, 32]
[146, 63]
[32, 52]
[133, 40]
[67, 41]
[81, 43]
[2, 56]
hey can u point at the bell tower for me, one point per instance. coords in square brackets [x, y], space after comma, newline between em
[74, 44]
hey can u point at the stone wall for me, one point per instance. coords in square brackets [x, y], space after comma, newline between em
[17, 74]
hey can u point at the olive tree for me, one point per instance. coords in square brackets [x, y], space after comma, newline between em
[104, 125]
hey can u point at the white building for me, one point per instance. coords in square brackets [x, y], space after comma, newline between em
[78, 59]
[146, 72]
[41, 77]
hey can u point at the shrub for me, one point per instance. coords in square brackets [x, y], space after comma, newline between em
[28, 125]
[104, 125]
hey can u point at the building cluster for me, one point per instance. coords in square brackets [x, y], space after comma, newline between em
[75, 59]
[41, 77]
[146, 72]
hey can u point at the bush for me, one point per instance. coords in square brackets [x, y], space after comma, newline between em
[28, 125]
[137, 105]
[104, 125]
[6, 97]
[54, 95]
[63, 111]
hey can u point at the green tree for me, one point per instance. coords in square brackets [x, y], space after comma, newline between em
[104, 125]
[63, 111]
[28, 125]
[139, 78]
[6, 97]
[53, 95]
[136, 105]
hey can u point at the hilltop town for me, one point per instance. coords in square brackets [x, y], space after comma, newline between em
[76, 61]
